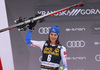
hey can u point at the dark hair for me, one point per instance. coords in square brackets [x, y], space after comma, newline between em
[49, 41]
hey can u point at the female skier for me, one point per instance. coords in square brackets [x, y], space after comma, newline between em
[52, 50]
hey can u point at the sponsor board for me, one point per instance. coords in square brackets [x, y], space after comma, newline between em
[96, 43]
[84, 13]
[77, 58]
[73, 12]
[97, 57]
[75, 44]
[96, 28]
[75, 29]
[44, 30]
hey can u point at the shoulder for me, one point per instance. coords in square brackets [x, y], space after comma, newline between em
[63, 51]
[62, 47]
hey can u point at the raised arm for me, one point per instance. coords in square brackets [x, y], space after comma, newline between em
[28, 38]
[64, 57]
[33, 43]
[31, 26]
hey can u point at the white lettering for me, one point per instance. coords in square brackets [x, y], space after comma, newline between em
[73, 12]
[76, 58]
[83, 11]
[98, 11]
[75, 29]
[88, 11]
[93, 11]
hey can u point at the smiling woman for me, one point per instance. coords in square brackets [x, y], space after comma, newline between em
[52, 50]
[53, 38]
[54, 35]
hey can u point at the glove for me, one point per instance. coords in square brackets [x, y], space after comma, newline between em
[32, 24]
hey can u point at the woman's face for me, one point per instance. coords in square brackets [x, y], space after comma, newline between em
[53, 37]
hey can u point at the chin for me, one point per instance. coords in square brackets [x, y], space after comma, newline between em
[53, 41]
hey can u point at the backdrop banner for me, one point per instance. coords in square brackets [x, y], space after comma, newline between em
[80, 32]
[88, 12]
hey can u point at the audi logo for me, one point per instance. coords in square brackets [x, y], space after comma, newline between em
[44, 30]
[75, 44]
[97, 57]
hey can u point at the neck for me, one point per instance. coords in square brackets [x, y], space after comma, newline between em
[53, 43]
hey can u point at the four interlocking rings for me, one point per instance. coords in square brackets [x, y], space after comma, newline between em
[74, 44]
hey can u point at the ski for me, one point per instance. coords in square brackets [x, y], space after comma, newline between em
[40, 17]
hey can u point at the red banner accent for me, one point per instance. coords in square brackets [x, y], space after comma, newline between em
[1, 65]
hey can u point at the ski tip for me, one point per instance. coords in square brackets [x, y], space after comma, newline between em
[81, 4]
